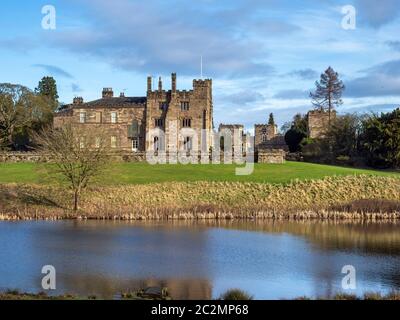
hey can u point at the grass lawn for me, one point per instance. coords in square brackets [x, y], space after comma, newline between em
[141, 173]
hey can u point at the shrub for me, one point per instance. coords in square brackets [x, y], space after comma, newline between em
[236, 294]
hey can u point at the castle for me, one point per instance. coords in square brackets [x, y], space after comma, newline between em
[129, 120]
[174, 120]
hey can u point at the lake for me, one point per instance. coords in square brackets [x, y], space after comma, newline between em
[200, 260]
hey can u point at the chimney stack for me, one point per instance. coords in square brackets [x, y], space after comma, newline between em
[122, 95]
[107, 93]
[173, 82]
[149, 84]
[159, 84]
[78, 100]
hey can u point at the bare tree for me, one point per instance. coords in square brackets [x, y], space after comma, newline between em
[79, 154]
[328, 92]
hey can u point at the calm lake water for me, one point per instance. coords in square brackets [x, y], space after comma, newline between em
[270, 260]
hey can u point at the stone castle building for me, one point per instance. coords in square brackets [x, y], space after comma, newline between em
[134, 124]
[318, 122]
[168, 120]
[267, 137]
[236, 134]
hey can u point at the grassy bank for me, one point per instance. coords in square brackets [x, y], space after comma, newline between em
[143, 173]
[18, 295]
[327, 198]
[230, 295]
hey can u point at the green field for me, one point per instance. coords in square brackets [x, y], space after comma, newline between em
[140, 173]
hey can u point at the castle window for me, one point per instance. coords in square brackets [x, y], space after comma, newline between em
[185, 106]
[135, 144]
[186, 123]
[113, 117]
[159, 122]
[163, 106]
[113, 141]
[98, 117]
[156, 144]
[187, 143]
[82, 117]
[264, 138]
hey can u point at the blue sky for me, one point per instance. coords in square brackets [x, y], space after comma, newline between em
[263, 55]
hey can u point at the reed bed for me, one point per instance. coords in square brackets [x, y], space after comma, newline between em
[332, 198]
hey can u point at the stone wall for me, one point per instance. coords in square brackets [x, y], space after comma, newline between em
[264, 132]
[14, 157]
[318, 122]
[33, 157]
[271, 156]
[100, 116]
[166, 105]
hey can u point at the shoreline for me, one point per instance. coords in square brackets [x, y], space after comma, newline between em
[207, 216]
[242, 296]
[357, 198]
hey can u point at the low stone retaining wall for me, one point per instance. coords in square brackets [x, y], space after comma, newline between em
[14, 157]
[34, 157]
[263, 156]
[271, 156]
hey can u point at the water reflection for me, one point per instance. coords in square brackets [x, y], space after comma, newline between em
[200, 260]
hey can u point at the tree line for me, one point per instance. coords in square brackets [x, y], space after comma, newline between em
[352, 139]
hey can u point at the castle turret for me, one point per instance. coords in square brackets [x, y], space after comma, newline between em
[159, 84]
[173, 82]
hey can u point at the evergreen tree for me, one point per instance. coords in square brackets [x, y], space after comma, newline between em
[298, 131]
[48, 88]
[328, 93]
[271, 120]
[380, 139]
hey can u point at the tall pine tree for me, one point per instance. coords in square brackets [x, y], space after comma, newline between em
[328, 92]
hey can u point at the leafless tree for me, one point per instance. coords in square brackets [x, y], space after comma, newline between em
[78, 154]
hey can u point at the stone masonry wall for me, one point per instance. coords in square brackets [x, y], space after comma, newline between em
[200, 113]
[318, 122]
[101, 117]
[264, 130]
[271, 156]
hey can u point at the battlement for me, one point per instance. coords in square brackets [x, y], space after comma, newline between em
[199, 85]
[202, 83]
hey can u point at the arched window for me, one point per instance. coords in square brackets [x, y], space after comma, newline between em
[264, 138]
[156, 143]
[187, 143]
